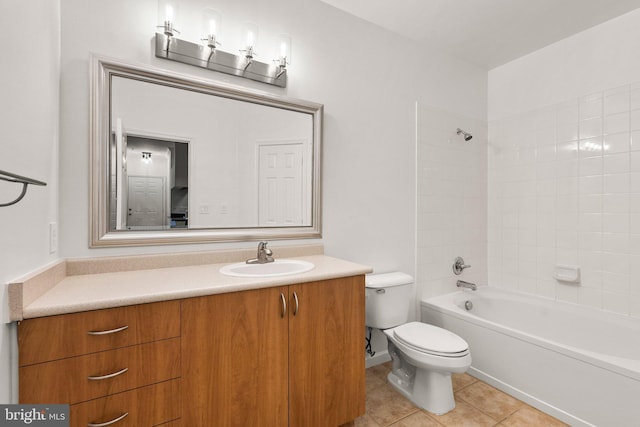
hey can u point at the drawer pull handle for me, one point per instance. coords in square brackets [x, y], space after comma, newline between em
[108, 423]
[110, 331]
[295, 310]
[105, 377]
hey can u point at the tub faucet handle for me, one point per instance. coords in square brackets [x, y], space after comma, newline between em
[459, 266]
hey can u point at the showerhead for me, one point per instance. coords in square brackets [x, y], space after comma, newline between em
[467, 136]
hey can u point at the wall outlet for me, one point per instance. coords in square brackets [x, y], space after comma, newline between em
[203, 209]
[53, 237]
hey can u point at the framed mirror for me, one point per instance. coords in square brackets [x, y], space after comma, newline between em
[178, 159]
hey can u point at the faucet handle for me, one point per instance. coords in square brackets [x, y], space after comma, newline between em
[459, 266]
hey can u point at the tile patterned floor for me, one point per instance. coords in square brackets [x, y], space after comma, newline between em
[477, 405]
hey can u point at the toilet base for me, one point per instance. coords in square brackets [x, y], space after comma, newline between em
[429, 390]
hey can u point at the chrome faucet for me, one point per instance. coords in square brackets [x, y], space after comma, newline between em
[467, 285]
[264, 255]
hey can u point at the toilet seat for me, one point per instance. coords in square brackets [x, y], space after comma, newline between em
[431, 339]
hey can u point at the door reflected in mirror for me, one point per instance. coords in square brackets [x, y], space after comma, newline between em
[150, 182]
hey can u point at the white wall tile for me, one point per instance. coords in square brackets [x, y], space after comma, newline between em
[634, 141]
[615, 242]
[634, 98]
[618, 183]
[616, 101]
[590, 107]
[586, 209]
[616, 143]
[615, 223]
[590, 297]
[452, 206]
[567, 150]
[591, 166]
[590, 128]
[634, 122]
[589, 147]
[590, 184]
[615, 203]
[567, 131]
[616, 163]
[616, 302]
[616, 123]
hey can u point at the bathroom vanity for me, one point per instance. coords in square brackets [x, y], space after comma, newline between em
[205, 349]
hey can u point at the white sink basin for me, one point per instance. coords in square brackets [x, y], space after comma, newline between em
[280, 267]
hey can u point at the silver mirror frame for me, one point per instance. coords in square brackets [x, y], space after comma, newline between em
[102, 70]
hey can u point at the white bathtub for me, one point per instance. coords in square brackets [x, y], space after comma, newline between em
[578, 364]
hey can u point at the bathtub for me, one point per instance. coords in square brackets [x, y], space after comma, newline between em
[578, 364]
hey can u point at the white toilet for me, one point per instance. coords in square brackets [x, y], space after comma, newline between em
[424, 356]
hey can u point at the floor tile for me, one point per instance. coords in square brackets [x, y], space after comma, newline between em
[385, 405]
[376, 376]
[419, 419]
[491, 401]
[366, 421]
[461, 381]
[531, 417]
[464, 415]
[477, 405]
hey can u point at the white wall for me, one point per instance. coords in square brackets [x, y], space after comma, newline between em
[29, 147]
[368, 79]
[564, 167]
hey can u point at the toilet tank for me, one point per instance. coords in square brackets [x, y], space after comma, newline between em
[388, 297]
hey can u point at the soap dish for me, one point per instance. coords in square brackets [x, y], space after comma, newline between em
[567, 273]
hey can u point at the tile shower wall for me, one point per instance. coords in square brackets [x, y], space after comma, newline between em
[452, 200]
[564, 188]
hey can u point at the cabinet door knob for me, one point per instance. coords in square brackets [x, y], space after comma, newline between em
[295, 309]
[105, 377]
[108, 423]
[110, 331]
[284, 305]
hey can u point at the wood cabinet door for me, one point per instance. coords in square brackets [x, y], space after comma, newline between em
[235, 360]
[326, 352]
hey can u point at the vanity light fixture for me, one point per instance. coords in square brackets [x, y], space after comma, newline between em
[146, 157]
[208, 55]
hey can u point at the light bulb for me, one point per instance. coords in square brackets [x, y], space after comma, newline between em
[211, 27]
[167, 16]
[284, 49]
[249, 36]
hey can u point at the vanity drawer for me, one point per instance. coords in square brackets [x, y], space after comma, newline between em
[50, 338]
[82, 378]
[147, 406]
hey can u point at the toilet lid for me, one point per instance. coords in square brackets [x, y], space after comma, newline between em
[431, 339]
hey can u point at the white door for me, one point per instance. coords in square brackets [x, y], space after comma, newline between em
[280, 201]
[146, 202]
[121, 175]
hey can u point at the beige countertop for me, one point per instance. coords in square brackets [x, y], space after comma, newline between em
[119, 288]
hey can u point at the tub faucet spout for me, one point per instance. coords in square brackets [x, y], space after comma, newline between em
[468, 285]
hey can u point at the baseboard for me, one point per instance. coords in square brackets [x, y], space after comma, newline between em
[377, 359]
